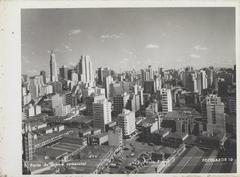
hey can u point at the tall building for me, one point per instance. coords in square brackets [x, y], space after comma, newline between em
[53, 68]
[57, 87]
[209, 72]
[36, 82]
[234, 74]
[61, 104]
[106, 84]
[120, 102]
[149, 86]
[133, 103]
[116, 89]
[100, 76]
[147, 74]
[213, 112]
[101, 113]
[150, 70]
[140, 93]
[89, 100]
[188, 80]
[231, 104]
[28, 146]
[106, 72]
[204, 79]
[126, 120]
[74, 78]
[166, 100]
[64, 72]
[151, 111]
[222, 88]
[26, 97]
[85, 69]
[158, 83]
[43, 74]
[199, 82]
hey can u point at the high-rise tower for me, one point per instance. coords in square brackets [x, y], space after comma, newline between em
[101, 113]
[85, 69]
[53, 68]
[166, 100]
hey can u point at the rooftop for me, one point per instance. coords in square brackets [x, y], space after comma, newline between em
[215, 135]
[52, 153]
[95, 152]
[38, 118]
[45, 137]
[101, 135]
[147, 122]
[176, 135]
[82, 119]
[182, 114]
[162, 130]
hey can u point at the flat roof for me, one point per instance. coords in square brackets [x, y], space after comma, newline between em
[45, 137]
[52, 153]
[101, 135]
[98, 151]
[216, 136]
[82, 119]
[182, 114]
[162, 130]
[38, 118]
[112, 122]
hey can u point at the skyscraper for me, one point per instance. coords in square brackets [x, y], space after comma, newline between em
[106, 83]
[64, 72]
[43, 74]
[85, 69]
[100, 76]
[28, 146]
[36, 82]
[213, 112]
[204, 79]
[209, 72]
[149, 86]
[101, 113]
[53, 68]
[126, 120]
[188, 80]
[150, 70]
[166, 100]
[119, 102]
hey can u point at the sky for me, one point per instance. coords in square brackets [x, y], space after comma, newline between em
[128, 38]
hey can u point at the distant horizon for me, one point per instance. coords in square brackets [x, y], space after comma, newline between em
[119, 72]
[129, 38]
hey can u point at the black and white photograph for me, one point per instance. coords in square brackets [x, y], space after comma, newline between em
[128, 90]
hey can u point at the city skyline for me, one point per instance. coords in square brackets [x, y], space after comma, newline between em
[185, 36]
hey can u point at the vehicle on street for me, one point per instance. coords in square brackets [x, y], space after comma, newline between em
[132, 154]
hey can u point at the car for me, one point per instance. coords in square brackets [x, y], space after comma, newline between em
[132, 154]
[126, 148]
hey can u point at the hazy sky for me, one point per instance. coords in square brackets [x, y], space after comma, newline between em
[128, 38]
